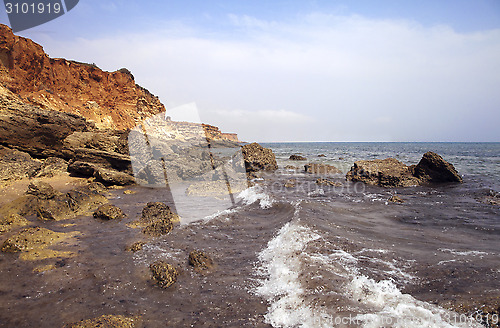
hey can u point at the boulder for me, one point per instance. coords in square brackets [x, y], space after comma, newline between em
[109, 212]
[295, 157]
[135, 247]
[323, 169]
[388, 172]
[258, 158]
[106, 176]
[164, 274]
[433, 168]
[200, 261]
[157, 219]
[15, 164]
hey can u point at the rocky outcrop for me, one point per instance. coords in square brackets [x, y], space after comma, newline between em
[164, 274]
[48, 204]
[258, 158]
[395, 199]
[110, 99]
[382, 172]
[296, 157]
[390, 172]
[15, 164]
[433, 168]
[326, 182]
[322, 169]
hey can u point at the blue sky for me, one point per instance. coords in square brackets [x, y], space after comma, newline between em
[303, 70]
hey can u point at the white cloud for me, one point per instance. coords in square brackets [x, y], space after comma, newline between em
[344, 73]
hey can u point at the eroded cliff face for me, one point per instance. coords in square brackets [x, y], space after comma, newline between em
[110, 99]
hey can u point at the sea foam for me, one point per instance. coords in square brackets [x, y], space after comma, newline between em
[254, 194]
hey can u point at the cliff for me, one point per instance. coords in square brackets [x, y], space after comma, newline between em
[110, 99]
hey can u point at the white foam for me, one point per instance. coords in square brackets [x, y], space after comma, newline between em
[391, 308]
[254, 194]
[281, 265]
[463, 253]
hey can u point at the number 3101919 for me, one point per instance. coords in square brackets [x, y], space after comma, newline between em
[32, 8]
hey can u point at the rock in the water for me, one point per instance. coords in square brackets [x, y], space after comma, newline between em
[396, 199]
[291, 167]
[296, 157]
[258, 158]
[323, 169]
[290, 183]
[326, 182]
[106, 321]
[164, 274]
[157, 219]
[135, 247]
[32, 238]
[200, 261]
[12, 221]
[15, 164]
[433, 168]
[42, 190]
[388, 172]
[109, 212]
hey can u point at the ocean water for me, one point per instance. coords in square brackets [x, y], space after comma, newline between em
[303, 256]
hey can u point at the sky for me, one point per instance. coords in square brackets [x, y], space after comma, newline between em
[302, 70]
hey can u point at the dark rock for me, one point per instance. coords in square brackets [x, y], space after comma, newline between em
[82, 169]
[291, 167]
[386, 173]
[395, 199]
[433, 168]
[111, 177]
[15, 164]
[106, 321]
[109, 212]
[323, 169]
[135, 247]
[321, 155]
[157, 219]
[297, 158]
[164, 274]
[258, 158]
[42, 190]
[200, 261]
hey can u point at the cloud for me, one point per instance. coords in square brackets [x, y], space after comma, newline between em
[337, 77]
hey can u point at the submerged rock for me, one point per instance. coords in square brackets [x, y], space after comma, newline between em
[395, 199]
[109, 212]
[296, 157]
[12, 221]
[135, 247]
[106, 321]
[323, 169]
[325, 182]
[164, 274]
[258, 158]
[387, 172]
[200, 261]
[433, 168]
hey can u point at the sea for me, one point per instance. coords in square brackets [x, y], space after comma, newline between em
[306, 255]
